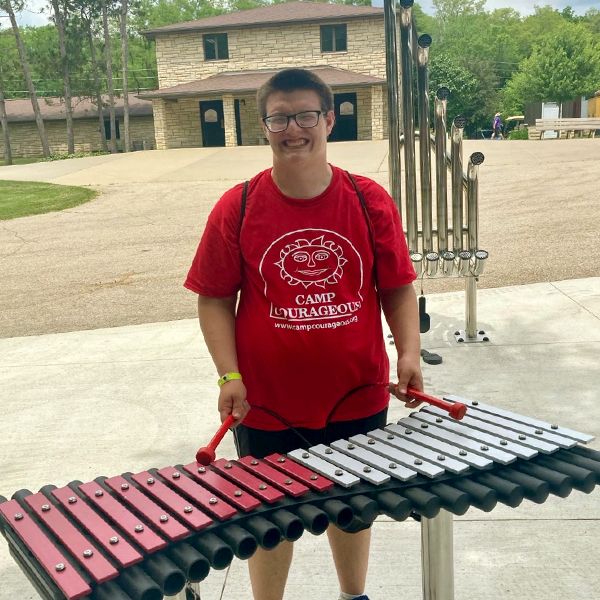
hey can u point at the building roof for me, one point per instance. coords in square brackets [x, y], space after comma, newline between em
[249, 81]
[275, 14]
[53, 109]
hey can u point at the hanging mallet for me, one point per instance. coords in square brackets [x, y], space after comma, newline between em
[206, 455]
[456, 410]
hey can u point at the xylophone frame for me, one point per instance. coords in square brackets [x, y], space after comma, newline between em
[437, 560]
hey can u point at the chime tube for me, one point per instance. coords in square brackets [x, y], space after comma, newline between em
[583, 479]
[560, 485]
[315, 520]
[139, 585]
[587, 452]
[243, 542]
[425, 503]
[441, 171]
[109, 591]
[431, 263]
[481, 496]
[452, 499]
[406, 54]
[365, 508]
[194, 565]
[456, 137]
[475, 160]
[509, 493]
[423, 43]
[534, 489]
[448, 261]
[169, 578]
[464, 262]
[290, 525]
[339, 513]
[478, 262]
[580, 461]
[20, 495]
[416, 259]
[267, 535]
[217, 552]
[394, 505]
[393, 95]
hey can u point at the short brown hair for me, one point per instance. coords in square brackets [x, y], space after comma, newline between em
[291, 80]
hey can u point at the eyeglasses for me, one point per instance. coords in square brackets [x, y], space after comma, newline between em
[305, 119]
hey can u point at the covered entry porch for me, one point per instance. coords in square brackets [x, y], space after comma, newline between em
[221, 110]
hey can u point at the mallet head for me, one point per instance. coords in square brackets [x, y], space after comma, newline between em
[205, 456]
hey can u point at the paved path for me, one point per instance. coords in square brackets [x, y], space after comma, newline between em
[121, 258]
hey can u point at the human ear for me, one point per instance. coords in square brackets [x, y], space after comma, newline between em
[329, 121]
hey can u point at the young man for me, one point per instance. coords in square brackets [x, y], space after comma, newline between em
[305, 350]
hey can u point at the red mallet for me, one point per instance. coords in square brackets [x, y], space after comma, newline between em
[455, 409]
[207, 454]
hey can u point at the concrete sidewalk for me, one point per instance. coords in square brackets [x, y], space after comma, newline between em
[101, 402]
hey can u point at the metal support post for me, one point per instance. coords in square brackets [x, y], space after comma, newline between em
[437, 557]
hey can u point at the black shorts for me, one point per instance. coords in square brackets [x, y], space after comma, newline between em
[259, 443]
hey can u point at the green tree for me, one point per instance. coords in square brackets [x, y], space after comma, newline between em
[10, 6]
[60, 16]
[4, 123]
[564, 66]
[463, 86]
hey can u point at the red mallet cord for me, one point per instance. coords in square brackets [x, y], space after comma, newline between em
[206, 455]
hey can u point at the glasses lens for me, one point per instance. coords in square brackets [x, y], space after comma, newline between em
[276, 123]
[308, 119]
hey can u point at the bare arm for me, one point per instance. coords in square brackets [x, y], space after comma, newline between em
[217, 322]
[402, 315]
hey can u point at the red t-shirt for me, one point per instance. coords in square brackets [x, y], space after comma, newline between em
[308, 323]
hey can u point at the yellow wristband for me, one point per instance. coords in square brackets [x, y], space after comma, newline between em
[228, 377]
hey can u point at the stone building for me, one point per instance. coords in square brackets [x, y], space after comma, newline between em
[209, 71]
[25, 139]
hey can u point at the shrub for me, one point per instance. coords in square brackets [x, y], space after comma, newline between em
[519, 134]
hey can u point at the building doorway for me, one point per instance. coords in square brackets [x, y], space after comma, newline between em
[346, 123]
[211, 121]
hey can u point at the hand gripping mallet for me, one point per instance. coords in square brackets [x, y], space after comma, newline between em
[456, 410]
[206, 455]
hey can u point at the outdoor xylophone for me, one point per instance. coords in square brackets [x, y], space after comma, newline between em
[142, 536]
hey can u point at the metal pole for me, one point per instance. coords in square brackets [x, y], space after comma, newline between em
[471, 308]
[391, 65]
[424, 42]
[441, 173]
[406, 54]
[457, 182]
[437, 557]
[475, 160]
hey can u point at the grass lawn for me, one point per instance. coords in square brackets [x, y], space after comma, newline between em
[23, 198]
[21, 161]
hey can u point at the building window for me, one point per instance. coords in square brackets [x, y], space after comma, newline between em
[333, 38]
[107, 129]
[215, 46]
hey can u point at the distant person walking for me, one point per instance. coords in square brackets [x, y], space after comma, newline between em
[497, 127]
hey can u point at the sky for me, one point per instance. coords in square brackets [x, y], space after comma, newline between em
[34, 15]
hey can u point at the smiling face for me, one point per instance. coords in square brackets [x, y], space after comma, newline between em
[311, 262]
[297, 143]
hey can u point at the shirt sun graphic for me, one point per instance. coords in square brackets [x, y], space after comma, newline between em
[315, 262]
[312, 275]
